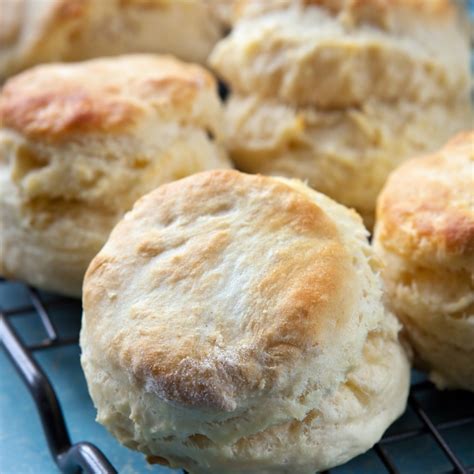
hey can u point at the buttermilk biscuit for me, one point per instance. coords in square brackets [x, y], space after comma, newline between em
[38, 31]
[363, 85]
[425, 235]
[336, 54]
[345, 153]
[234, 323]
[79, 143]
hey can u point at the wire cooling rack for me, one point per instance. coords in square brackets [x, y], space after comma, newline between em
[436, 434]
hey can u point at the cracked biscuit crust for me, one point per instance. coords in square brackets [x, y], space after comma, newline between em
[80, 143]
[425, 236]
[234, 323]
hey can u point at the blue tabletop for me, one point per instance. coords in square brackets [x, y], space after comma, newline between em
[23, 449]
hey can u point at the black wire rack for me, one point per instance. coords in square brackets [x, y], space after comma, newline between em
[72, 458]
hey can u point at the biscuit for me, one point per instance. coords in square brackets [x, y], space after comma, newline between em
[309, 54]
[425, 236]
[234, 323]
[347, 153]
[39, 31]
[79, 143]
[350, 76]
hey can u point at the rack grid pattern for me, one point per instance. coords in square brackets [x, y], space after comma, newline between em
[85, 456]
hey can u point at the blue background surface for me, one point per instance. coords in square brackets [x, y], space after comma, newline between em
[23, 448]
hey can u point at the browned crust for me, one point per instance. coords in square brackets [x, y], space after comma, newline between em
[70, 9]
[54, 114]
[157, 460]
[363, 10]
[291, 309]
[46, 103]
[427, 205]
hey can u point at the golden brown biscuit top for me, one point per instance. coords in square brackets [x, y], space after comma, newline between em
[371, 11]
[426, 210]
[215, 285]
[52, 101]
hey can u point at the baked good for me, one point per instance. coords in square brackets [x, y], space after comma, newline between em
[340, 53]
[38, 31]
[425, 236]
[234, 323]
[351, 77]
[79, 143]
[347, 153]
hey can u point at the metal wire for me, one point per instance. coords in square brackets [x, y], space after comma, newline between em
[70, 458]
[87, 457]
